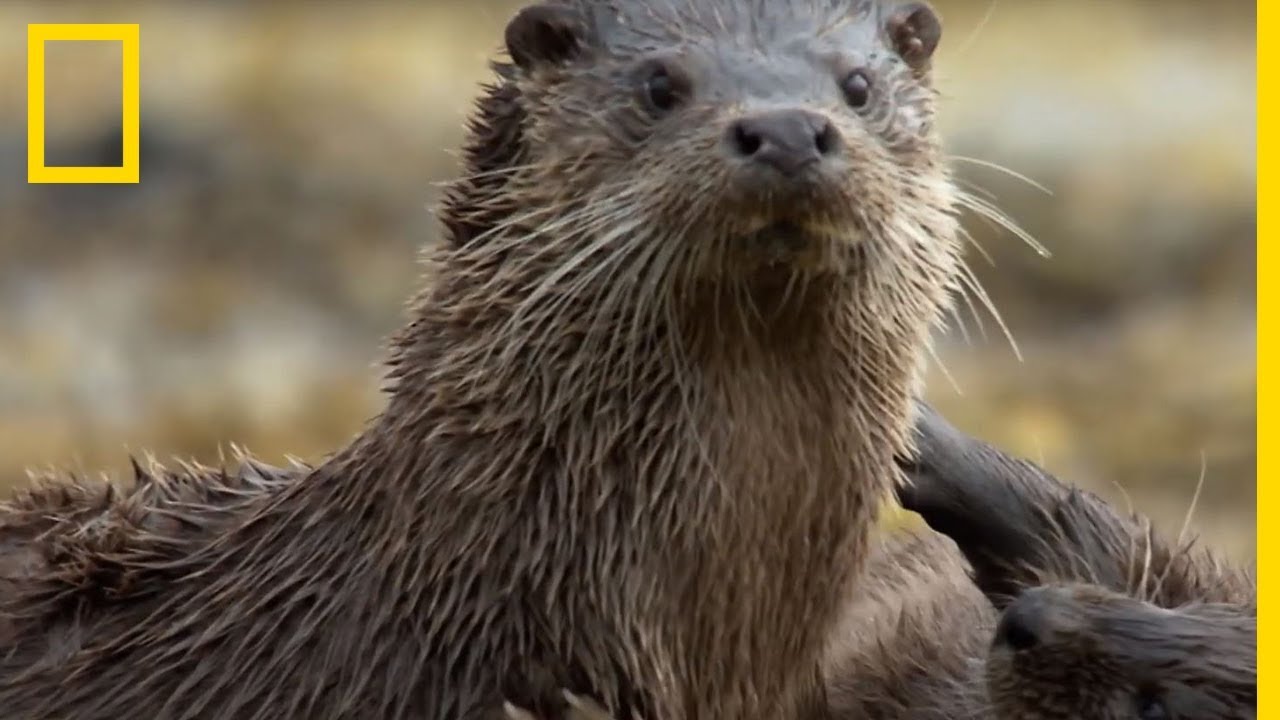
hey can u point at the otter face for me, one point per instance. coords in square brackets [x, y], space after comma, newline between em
[1083, 652]
[794, 133]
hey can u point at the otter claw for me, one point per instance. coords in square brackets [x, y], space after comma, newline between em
[585, 708]
[515, 713]
[580, 708]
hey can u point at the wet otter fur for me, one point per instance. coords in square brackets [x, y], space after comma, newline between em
[1110, 621]
[1043, 530]
[913, 641]
[70, 546]
[639, 421]
[1074, 610]
[1102, 616]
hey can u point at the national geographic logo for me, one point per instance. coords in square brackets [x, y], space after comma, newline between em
[37, 36]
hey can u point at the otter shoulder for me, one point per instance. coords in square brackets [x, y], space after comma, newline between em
[70, 545]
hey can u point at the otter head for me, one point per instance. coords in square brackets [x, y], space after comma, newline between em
[1080, 651]
[715, 138]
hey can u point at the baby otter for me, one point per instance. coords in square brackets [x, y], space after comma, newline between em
[1102, 618]
[1042, 530]
[639, 420]
[1082, 651]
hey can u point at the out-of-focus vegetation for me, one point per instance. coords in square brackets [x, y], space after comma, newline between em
[290, 154]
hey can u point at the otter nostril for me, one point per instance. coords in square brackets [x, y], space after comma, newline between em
[746, 141]
[788, 141]
[1020, 625]
[827, 140]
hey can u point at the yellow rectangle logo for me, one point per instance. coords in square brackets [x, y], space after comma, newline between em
[37, 36]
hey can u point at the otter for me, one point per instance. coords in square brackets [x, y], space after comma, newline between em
[1101, 617]
[639, 421]
[1044, 530]
[1037, 600]
[1084, 651]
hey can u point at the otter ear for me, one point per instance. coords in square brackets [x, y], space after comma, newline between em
[544, 35]
[915, 30]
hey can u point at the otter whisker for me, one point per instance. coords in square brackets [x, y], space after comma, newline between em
[1195, 499]
[1132, 552]
[615, 307]
[946, 374]
[994, 214]
[485, 175]
[1002, 169]
[514, 221]
[605, 275]
[967, 276]
[679, 359]
[498, 240]
[552, 312]
[616, 290]
[743, 306]
[982, 24]
[658, 276]
[1181, 542]
[956, 313]
[1144, 587]
[973, 242]
[587, 218]
[967, 292]
[975, 188]
[789, 290]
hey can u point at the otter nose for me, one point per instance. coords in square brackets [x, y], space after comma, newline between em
[786, 140]
[1024, 623]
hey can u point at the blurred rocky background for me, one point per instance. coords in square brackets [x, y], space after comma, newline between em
[292, 154]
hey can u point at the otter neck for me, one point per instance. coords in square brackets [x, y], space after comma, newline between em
[738, 455]
[487, 355]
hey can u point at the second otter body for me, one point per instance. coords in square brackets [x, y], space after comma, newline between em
[1101, 616]
[1074, 610]
[639, 421]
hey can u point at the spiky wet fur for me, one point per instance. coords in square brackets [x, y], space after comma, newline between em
[72, 547]
[617, 457]
[917, 640]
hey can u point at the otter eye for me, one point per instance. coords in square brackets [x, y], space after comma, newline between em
[1150, 707]
[660, 90]
[856, 88]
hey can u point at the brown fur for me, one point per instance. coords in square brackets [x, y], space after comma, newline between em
[1020, 527]
[913, 641]
[1121, 620]
[72, 546]
[1122, 629]
[1107, 655]
[636, 433]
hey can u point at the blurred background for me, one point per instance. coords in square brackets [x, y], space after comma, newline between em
[291, 154]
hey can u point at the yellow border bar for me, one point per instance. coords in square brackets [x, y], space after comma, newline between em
[37, 36]
[1268, 531]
